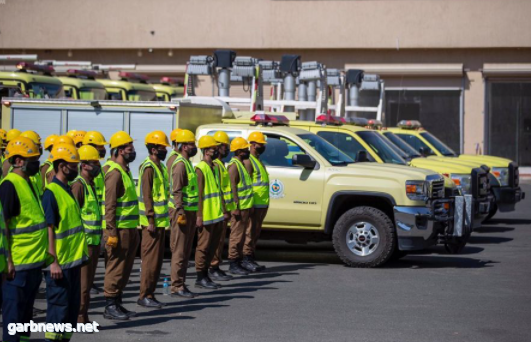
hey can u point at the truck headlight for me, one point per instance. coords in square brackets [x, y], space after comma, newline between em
[463, 182]
[416, 190]
[501, 173]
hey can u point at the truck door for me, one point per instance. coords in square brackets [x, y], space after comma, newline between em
[295, 193]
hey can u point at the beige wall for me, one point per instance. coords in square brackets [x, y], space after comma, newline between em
[264, 24]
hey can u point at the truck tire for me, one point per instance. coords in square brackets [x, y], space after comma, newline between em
[364, 237]
[493, 211]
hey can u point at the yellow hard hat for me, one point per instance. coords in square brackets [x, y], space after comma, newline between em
[257, 137]
[66, 152]
[36, 138]
[71, 133]
[120, 138]
[221, 137]
[94, 138]
[88, 153]
[78, 137]
[64, 139]
[49, 141]
[157, 138]
[239, 143]
[3, 134]
[185, 136]
[12, 134]
[207, 141]
[173, 135]
[22, 146]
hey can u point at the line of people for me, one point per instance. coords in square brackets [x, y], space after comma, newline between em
[54, 218]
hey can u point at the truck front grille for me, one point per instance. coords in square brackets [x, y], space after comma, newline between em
[437, 189]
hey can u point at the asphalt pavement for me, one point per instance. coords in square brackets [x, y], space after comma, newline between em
[307, 294]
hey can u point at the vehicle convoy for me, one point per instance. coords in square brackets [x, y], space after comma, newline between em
[504, 183]
[130, 87]
[82, 85]
[33, 81]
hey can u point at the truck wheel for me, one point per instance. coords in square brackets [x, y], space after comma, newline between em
[364, 237]
[493, 211]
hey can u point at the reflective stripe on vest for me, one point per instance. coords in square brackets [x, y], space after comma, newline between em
[212, 201]
[190, 192]
[244, 188]
[29, 234]
[127, 206]
[70, 243]
[261, 184]
[90, 215]
[109, 163]
[160, 194]
[225, 183]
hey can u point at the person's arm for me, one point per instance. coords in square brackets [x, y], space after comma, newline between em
[201, 187]
[11, 206]
[5, 168]
[78, 191]
[179, 181]
[112, 181]
[51, 214]
[234, 178]
[44, 168]
[249, 167]
[146, 184]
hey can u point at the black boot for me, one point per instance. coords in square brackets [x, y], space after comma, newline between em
[235, 268]
[203, 281]
[113, 310]
[126, 311]
[218, 274]
[248, 264]
[259, 268]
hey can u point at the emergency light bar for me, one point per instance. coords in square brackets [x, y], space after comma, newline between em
[409, 124]
[84, 73]
[133, 76]
[23, 66]
[327, 119]
[270, 120]
[200, 65]
[172, 80]
[374, 124]
[357, 121]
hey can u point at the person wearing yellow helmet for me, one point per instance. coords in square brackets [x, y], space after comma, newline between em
[210, 214]
[71, 133]
[36, 179]
[46, 167]
[121, 222]
[215, 272]
[10, 135]
[78, 138]
[96, 140]
[153, 193]
[27, 240]
[261, 199]
[183, 208]
[242, 200]
[84, 191]
[66, 243]
[47, 170]
[3, 144]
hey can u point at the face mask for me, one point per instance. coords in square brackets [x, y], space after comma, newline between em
[245, 155]
[71, 175]
[161, 154]
[261, 149]
[95, 171]
[192, 152]
[31, 168]
[130, 157]
[225, 153]
[215, 154]
[101, 153]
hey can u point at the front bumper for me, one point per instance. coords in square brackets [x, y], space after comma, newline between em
[420, 227]
[506, 197]
[481, 209]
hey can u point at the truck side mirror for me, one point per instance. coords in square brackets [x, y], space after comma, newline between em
[362, 156]
[304, 161]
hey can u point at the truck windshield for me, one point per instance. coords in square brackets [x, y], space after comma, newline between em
[326, 150]
[346, 143]
[39, 90]
[381, 147]
[92, 94]
[407, 149]
[438, 144]
[416, 143]
[141, 95]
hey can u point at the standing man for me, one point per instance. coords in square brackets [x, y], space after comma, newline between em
[84, 192]
[122, 220]
[48, 145]
[78, 138]
[184, 201]
[261, 199]
[27, 237]
[210, 215]
[36, 179]
[153, 193]
[222, 176]
[242, 196]
[66, 242]
[48, 173]
[10, 135]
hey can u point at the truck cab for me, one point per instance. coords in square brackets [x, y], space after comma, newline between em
[131, 87]
[169, 88]
[31, 83]
[371, 211]
[81, 85]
